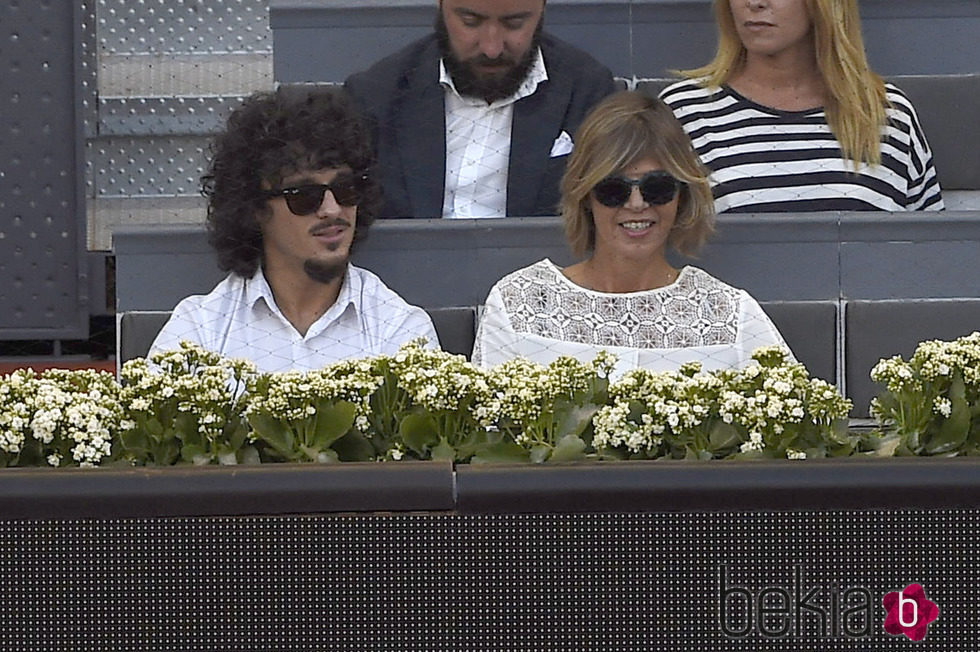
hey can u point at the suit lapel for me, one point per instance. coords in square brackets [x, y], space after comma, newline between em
[537, 122]
[423, 135]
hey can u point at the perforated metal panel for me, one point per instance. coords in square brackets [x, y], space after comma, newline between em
[41, 214]
[485, 582]
[168, 74]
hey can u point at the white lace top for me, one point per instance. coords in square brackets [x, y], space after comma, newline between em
[538, 313]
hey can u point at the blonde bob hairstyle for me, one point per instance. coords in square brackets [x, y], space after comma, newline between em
[623, 129]
[856, 102]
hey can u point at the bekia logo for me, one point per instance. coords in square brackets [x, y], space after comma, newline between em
[909, 612]
[808, 608]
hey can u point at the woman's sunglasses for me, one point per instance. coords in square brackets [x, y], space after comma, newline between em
[657, 188]
[347, 190]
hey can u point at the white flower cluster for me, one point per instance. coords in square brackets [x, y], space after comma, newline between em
[70, 413]
[293, 395]
[896, 375]
[530, 393]
[663, 413]
[16, 409]
[647, 404]
[192, 380]
[444, 382]
[933, 361]
[940, 382]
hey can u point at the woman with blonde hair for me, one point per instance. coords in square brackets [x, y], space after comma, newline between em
[789, 116]
[633, 187]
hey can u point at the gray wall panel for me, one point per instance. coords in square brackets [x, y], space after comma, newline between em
[882, 329]
[44, 289]
[808, 257]
[900, 256]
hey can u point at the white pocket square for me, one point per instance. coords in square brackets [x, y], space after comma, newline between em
[563, 145]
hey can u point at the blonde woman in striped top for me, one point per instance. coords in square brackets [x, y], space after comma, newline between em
[789, 117]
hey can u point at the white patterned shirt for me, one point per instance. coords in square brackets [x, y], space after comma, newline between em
[478, 146]
[539, 314]
[240, 319]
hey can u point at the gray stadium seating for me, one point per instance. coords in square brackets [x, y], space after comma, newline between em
[881, 329]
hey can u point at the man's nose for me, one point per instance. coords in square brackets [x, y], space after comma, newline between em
[329, 206]
[491, 41]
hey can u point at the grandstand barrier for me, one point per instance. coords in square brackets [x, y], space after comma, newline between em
[413, 556]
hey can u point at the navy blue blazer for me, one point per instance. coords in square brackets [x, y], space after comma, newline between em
[405, 106]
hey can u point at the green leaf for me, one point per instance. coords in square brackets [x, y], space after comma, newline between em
[954, 429]
[237, 436]
[195, 454]
[185, 427]
[332, 421]
[274, 433]
[326, 456]
[505, 450]
[614, 454]
[443, 451]
[472, 443]
[540, 453]
[722, 436]
[637, 410]
[135, 441]
[162, 453]
[569, 447]
[154, 427]
[32, 453]
[573, 419]
[691, 453]
[354, 447]
[418, 432]
[249, 455]
[227, 456]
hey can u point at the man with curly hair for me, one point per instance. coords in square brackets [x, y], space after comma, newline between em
[290, 192]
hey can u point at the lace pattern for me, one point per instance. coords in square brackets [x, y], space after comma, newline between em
[696, 310]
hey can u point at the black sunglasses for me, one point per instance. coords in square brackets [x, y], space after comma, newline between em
[657, 187]
[347, 190]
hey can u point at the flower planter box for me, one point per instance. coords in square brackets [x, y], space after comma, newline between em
[415, 556]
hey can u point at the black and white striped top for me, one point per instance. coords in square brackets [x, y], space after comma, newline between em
[767, 160]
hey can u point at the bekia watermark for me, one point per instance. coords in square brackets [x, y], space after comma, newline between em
[909, 612]
[806, 608]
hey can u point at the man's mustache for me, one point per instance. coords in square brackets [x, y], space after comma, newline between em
[323, 225]
[484, 60]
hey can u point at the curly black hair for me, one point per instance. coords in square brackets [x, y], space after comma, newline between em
[271, 136]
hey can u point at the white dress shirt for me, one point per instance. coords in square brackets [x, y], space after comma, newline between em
[478, 146]
[240, 319]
